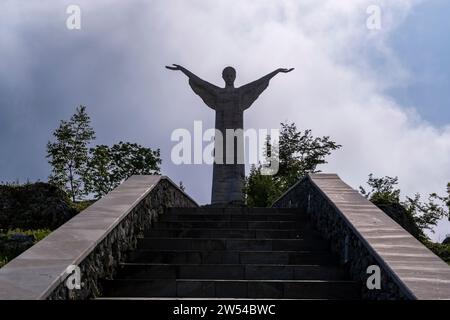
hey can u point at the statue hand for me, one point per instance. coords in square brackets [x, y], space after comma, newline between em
[175, 67]
[284, 70]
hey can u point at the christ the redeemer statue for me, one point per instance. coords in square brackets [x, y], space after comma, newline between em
[229, 104]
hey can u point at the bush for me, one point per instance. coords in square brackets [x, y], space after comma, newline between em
[28, 213]
[34, 206]
[439, 249]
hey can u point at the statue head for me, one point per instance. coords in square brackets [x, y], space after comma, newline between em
[229, 75]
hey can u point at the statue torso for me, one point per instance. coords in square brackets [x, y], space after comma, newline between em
[229, 113]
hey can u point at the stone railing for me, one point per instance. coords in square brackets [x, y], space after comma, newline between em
[363, 235]
[91, 244]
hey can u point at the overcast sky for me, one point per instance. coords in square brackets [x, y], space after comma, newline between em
[383, 94]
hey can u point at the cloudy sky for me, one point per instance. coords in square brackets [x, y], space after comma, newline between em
[383, 94]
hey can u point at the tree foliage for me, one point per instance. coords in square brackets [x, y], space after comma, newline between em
[425, 214]
[383, 190]
[109, 167]
[299, 153]
[99, 179]
[261, 190]
[68, 154]
[82, 171]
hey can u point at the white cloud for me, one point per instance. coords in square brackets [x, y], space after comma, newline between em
[336, 89]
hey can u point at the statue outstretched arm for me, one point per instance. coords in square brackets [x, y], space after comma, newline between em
[251, 91]
[192, 76]
[267, 77]
[207, 91]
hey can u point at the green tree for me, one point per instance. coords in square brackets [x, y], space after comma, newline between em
[299, 153]
[412, 214]
[68, 154]
[383, 190]
[425, 215]
[99, 179]
[260, 190]
[109, 167]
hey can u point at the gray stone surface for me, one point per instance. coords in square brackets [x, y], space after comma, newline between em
[218, 266]
[409, 269]
[229, 104]
[95, 240]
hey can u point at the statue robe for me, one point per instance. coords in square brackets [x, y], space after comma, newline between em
[229, 104]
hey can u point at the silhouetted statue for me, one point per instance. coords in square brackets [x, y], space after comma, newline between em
[229, 104]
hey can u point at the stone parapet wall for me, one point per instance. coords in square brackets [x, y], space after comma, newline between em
[95, 240]
[362, 235]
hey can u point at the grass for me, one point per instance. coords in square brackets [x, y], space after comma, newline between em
[81, 205]
[10, 250]
[3, 261]
[38, 234]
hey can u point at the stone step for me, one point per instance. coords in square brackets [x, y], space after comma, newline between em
[233, 257]
[229, 272]
[231, 244]
[233, 217]
[230, 233]
[231, 210]
[194, 288]
[252, 225]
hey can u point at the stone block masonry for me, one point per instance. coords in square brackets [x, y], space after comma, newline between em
[363, 235]
[95, 241]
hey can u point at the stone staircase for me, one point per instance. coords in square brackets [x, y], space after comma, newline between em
[250, 253]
